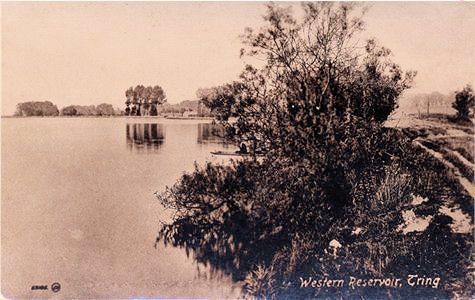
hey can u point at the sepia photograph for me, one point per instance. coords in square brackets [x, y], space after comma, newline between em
[237, 150]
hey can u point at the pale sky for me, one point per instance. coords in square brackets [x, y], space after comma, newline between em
[89, 53]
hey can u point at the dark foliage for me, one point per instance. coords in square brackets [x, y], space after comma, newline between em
[250, 214]
[464, 104]
[69, 111]
[314, 112]
[144, 100]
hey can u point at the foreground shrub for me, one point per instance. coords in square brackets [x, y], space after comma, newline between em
[325, 195]
[249, 220]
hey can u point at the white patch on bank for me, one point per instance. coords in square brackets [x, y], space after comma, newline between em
[461, 221]
[413, 223]
[417, 200]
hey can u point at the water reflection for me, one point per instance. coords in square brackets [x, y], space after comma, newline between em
[211, 133]
[63, 196]
[148, 136]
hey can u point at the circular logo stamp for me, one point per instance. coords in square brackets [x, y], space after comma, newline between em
[56, 287]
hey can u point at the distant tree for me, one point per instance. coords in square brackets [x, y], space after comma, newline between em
[158, 98]
[25, 109]
[431, 100]
[138, 94]
[105, 109]
[118, 112]
[158, 95]
[129, 94]
[83, 110]
[437, 99]
[36, 108]
[426, 102]
[153, 110]
[464, 102]
[92, 110]
[146, 100]
[69, 111]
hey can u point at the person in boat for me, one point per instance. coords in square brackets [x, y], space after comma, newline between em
[242, 149]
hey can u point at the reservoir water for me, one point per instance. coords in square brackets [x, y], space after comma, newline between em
[78, 207]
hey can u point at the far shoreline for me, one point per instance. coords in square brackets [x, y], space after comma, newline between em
[108, 117]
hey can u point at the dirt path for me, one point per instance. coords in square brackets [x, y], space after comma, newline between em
[468, 186]
[462, 221]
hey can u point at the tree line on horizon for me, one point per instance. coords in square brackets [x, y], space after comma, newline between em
[103, 109]
[428, 103]
[194, 107]
[48, 109]
[462, 101]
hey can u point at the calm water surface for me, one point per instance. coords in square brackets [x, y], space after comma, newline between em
[78, 207]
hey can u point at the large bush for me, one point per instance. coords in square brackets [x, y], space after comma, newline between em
[321, 166]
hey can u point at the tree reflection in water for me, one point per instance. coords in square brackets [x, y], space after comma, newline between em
[142, 136]
[211, 133]
[223, 234]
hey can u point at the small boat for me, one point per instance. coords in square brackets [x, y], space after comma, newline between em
[232, 153]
